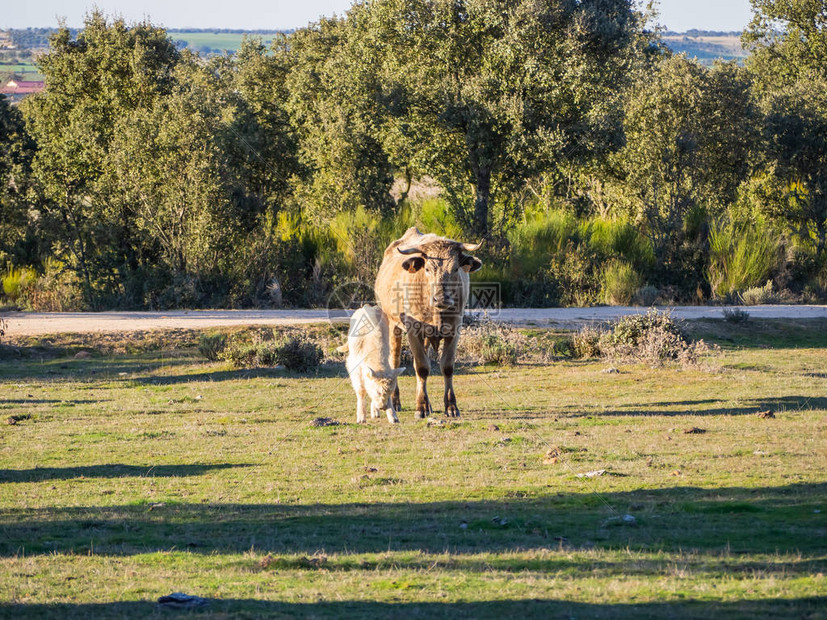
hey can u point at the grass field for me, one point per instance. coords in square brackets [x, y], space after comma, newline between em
[125, 476]
[26, 71]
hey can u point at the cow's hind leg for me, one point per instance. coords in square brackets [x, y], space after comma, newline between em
[446, 364]
[396, 356]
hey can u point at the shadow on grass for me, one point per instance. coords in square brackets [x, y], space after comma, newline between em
[323, 371]
[746, 407]
[92, 369]
[143, 369]
[762, 333]
[729, 521]
[531, 608]
[114, 470]
[46, 401]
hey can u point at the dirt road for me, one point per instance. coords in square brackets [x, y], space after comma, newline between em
[39, 323]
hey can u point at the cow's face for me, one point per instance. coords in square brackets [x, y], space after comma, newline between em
[441, 263]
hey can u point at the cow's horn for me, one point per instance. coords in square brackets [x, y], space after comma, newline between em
[410, 251]
[471, 247]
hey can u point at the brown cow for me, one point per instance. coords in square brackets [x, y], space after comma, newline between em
[422, 287]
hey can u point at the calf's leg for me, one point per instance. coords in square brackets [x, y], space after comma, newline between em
[361, 406]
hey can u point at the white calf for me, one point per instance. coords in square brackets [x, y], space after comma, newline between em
[369, 364]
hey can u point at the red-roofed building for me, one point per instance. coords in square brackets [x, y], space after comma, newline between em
[15, 90]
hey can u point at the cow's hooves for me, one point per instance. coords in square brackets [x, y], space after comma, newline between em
[420, 415]
[452, 412]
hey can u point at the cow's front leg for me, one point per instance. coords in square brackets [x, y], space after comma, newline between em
[422, 367]
[446, 364]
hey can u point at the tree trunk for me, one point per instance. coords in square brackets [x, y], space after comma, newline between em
[483, 191]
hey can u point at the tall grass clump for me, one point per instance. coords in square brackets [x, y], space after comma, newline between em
[435, 216]
[619, 283]
[620, 238]
[540, 236]
[56, 289]
[15, 281]
[742, 255]
[557, 258]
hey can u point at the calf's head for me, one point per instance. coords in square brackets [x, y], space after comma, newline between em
[441, 262]
[381, 385]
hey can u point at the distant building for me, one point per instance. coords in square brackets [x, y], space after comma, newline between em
[6, 42]
[15, 90]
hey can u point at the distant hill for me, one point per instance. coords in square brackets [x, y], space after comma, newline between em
[706, 46]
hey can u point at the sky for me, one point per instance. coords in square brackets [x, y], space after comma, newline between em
[677, 15]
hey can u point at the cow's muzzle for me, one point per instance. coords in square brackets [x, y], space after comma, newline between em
[445, 303]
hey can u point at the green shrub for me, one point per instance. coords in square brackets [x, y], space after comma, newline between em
[646, 295]
[736, 315]
[212, 345]
[741, 256]
[759, 295]
[250, 354]
[619, 283]
[299, 354]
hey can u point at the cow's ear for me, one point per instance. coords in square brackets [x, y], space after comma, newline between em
[470, 263]
[414, 264]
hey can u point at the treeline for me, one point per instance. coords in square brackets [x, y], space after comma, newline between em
[596, 165]
[25, 38]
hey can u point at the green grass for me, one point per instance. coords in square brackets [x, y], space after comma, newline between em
[142, 471]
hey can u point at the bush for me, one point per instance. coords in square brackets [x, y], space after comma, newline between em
[646, 295]
[296, 353]
[619, 283]
[489, 342]
[212, 345]
[250, 354]
[585, 343]
[736, 315]
[652, 338]
[759, 295]
[299, 354]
